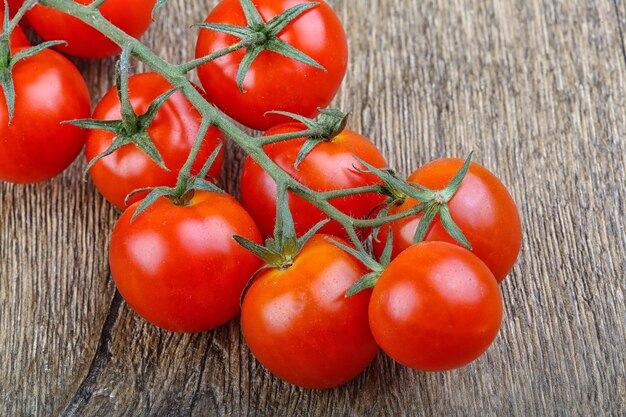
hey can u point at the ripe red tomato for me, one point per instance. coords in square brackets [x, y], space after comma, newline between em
[275, 82]
[329, 166]
[173, 132]
[299, 324]
[178, 267]
[36, 146]
[132, 16]
[436, 307]
[482, 208]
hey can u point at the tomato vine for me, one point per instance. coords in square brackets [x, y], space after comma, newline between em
[183, 254]
[391, 186]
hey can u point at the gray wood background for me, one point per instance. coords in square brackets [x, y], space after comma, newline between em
[535, 88]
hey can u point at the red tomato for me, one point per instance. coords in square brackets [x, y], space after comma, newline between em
[178, 266]
[329, 166]
[482, 208]
[275, 82]
[18, 38]
[436, 307]
[299, 324]
[132, 16]
[14, 6]
[173, 132]
[36, 146]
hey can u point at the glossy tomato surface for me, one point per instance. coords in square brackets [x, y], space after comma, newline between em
[299, 324]
[18, 37]
[275, 82]
[178, 266]
[173, 132]
[329, 166]
[482, 208]
[36, 146]
[436, 307]
[132, 16]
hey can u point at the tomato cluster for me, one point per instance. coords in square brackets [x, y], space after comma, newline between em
[192, 257]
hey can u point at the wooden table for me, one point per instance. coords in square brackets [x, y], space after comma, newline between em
[535, 88]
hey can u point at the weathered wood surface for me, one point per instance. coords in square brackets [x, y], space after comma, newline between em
[535, 88]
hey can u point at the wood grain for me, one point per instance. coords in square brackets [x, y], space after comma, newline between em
[535, 88]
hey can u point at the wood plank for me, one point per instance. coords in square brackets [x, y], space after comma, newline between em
[535, 88]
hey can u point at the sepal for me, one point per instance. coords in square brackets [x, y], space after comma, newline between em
[368, 280]
[157, 6]
[257, 36]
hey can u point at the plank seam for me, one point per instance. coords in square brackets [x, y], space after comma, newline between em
[100, 359]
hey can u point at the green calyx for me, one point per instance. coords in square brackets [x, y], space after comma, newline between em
[432, 202]
[131, 128]
[185, 188]
[329, 124]
[281, 250]
[256, 37]
[370, 279]
[8, 61]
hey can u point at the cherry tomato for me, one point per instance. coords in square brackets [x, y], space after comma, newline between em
[18, 37]
[36, 146]
[299, 324]
[178, 267]
[329, 166]
[436, 307]
[482, 208]
[132, 16]
[173, 132]
[275, 82]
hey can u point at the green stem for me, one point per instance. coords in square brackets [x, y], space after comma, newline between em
[267, 140]
[387, 219]
[193, 64]
[329, 195]
[185, 171]
[19, 14]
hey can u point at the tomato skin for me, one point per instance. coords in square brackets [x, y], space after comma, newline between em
[173, 132]
[436, 307]
[275, 82]
[329, 166]
[14, 6]
[36, 146]
[299, 324]
[482, 208]
[131, 16]
[178, 266]
[18, 37]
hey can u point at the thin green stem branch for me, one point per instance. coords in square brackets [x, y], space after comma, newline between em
[266, 140]
[329, 195]
[193, 64]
